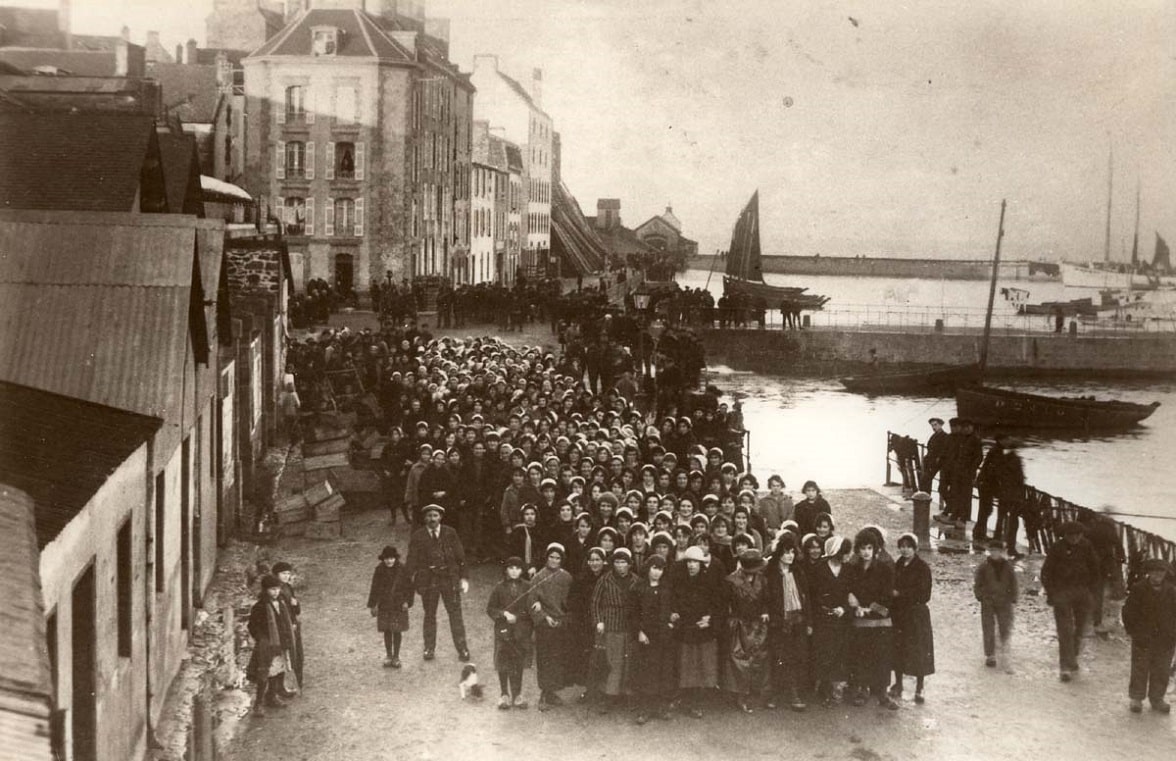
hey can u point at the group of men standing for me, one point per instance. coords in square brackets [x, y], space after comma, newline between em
[957, 456]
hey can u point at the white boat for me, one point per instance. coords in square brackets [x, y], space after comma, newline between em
[1118, 277]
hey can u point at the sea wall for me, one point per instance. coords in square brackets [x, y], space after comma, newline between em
[826, 351]
[869, 266]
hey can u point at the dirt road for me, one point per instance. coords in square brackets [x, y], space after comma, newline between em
[355, 709]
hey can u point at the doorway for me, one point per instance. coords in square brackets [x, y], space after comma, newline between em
[344, 273]
[82, 644]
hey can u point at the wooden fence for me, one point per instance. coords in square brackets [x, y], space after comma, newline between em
[1043, 513]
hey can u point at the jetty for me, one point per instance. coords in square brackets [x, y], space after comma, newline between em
[887, 266]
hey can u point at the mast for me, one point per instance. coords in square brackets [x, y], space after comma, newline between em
[1135, 240]
[1110, 187]
[991, 293]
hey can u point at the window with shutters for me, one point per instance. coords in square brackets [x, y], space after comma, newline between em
[344, 159]
[295, 159]
[294, 216]
[344, 216]
[295, 103]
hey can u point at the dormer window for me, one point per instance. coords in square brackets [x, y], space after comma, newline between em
[325, 40]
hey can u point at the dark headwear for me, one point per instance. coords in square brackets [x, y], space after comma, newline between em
[281, 567]
[513, 560]
[751, 560]
[1070, 527]
[269, 581]
[1156, 564]
[389, 552]
[936, 420]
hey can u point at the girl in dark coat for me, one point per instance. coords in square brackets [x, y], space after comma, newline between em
[654, 661]
[810, 507]
[695, 604]
[871, 594]
[830, 641]
[914, 646]
[272, 629]
[581, 623]
[285, 573]
[612, 614]
[507, 608]
[789, 624]
[389, 599]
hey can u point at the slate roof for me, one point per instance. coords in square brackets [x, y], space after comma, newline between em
[190, 91]
[78, 161]
[60, 450]
[181, 173]
[514, 158]
[24, 659]
[87, 63]
[362, 37]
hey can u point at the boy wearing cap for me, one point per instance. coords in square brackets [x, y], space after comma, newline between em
[995, 586]
[1149, 615]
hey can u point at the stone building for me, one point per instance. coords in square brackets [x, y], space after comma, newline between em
[504, 102]
[664, 233]
[243, 24]
[358, 140]
[490, 207]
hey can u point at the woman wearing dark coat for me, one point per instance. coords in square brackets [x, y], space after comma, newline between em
[914, 642]
[580, 615]
[695, 604]
[789, 622]
[871, 642]
[389, 598]
[507, 608]
[655, 651]
[612, 614]
[831, 611]
[272, 630]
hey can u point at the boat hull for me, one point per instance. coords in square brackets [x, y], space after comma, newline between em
[775, 296]
[990, 406]
[1094, 276]
[939, 379]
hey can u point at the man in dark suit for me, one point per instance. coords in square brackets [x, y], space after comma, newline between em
[933, 460]
[436, 566]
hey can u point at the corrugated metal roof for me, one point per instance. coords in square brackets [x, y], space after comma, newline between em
[98, 306]
[571, 236]
[60, 450]
[24, 661]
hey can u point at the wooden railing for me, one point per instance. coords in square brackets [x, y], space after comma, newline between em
[1043, 512]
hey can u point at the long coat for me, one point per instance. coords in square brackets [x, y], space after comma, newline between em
[266, 647]
[830, 633]
[747, 657]
[914, 651]
[389, 593]
[512, 642]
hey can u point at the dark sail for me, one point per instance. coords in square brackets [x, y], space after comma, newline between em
[1160, 261]
[743, 260]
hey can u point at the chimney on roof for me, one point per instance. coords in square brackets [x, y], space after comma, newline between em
[126, 33]
[537, 87]
[179, 53]
[121, 58]
[608, 213]
[190, 56]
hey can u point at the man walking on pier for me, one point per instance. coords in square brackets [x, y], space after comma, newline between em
[1149, 615]
[436, 566]
[1068, 575]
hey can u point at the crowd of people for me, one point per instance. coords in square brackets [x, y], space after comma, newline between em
[643, 564]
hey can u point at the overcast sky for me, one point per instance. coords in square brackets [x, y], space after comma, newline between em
[868, 127]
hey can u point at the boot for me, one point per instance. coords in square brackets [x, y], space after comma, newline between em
[273, 697]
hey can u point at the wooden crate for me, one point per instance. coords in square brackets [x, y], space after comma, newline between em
[349, 480]
[316, 530]
[328, 510]
[321, 462]
[319, 492]
[292, 509]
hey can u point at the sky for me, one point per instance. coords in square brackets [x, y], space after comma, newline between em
[868, 128]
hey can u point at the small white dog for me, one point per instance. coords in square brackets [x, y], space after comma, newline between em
[468, 685]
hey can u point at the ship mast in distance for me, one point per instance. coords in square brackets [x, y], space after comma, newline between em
[1110, 187]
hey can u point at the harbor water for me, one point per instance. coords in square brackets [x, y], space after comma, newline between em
[810, 428]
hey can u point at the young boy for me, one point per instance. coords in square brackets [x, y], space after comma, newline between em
[1149, 616]
[995, 586]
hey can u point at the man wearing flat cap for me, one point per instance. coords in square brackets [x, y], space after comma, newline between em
[437, 569]
[1069, 574]
[1149, 615]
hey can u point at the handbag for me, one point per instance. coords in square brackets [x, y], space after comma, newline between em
[504, 632]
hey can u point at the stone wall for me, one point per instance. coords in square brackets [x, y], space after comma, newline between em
[253, 268]
[845, 352]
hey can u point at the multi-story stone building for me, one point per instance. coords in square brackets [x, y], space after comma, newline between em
[491, 191]
[358, 138]
[504, 102]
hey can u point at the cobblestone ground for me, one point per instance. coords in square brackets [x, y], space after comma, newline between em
[355, 709]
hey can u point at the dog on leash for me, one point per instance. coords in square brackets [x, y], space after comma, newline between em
[468, 685]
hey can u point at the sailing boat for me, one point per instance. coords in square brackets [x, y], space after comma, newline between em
[745, 275]
[989, 406]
